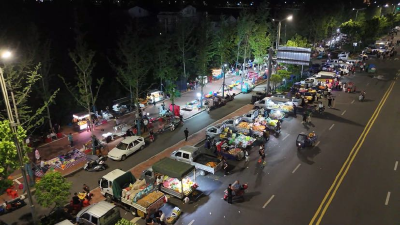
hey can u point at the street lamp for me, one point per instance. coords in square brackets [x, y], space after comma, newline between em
[289, 18]
[354, 9]
[223, 82]
[6, 55]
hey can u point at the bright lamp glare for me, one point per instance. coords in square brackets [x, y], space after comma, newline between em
[6, 55]
[290, 17]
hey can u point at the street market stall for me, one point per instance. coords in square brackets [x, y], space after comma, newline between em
[154, 96]
[67, 160]
[282, 104]
[217, 74]
[178, 178]
[81, 121]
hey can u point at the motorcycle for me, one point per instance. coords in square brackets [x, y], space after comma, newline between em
[361, 98]
[237, 192]
[151, 137]
[95, 163]
[12, 205]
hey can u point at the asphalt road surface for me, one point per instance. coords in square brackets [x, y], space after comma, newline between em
[350, 177]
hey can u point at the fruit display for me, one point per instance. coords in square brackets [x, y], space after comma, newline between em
[175, 184]
[244, 125]
[287, 108]
[258, 128]
[271, 122]
[147, 200]
[211, 164]
[234, 151]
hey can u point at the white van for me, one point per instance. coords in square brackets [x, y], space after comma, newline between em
[325, 74]
[102, 213]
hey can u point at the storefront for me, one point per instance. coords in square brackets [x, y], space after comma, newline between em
[80, 121]
[178, 178]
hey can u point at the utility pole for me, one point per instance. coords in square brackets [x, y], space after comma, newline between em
[269, 68]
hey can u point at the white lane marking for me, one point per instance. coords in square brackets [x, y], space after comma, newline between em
[387, 198]
[317, 144]
[330, 128]
[17, 181]
[395, 165]
[286, 137]
[343, 112]
[352, 102]
[191, 222]
[296, 168]
[269, 200]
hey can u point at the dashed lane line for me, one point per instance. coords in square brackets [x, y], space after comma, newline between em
[395, 165]
[269, 200]
[343, 112]
[296, 168]
[387, 198]
[330, 128]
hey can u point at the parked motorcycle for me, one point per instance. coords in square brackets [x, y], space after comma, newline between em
[95, 163]
[12, 205]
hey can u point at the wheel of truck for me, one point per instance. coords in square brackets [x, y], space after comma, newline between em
[141, 214]
[123, 158]
[108, 198]
[133, 211]
[202, 172]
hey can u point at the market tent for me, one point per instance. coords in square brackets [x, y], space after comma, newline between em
[172, 168]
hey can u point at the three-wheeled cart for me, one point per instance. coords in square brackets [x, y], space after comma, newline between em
[304, 140]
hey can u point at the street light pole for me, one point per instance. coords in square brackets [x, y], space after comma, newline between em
[279, 35]
[223, 82]
[269, 68]
[13, 127]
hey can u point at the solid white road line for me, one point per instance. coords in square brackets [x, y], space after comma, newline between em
[285, 137]
[191, 222]
[387, 198]
[343, 112]
[296, 168]
[395, 165]
[352, 102]
[269, 200]
[330, 128]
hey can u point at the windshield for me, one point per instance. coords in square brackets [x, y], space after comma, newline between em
[122, 146]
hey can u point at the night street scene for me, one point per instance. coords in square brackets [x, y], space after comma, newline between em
[199, 112]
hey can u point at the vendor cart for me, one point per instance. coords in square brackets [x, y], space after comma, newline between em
[304, 140]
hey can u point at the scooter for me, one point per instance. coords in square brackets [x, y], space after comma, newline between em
[12, 205]
[95, 163]
[361, 98]
[151, 137]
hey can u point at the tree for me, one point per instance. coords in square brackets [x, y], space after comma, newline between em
[204, 51]
[164, 66]
[352, 28]
[223, 42]
[260, 42]
[275, 79]
[9, 160]
[297, 41]
[133, 66]
[52, 190]
[184, 42]
[82, 57]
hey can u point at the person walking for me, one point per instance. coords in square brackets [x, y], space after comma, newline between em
[70, 139]
[225, 165]
[246, 155]
[329, 101]
[304, 117]
[186, 131]
[37, 155]
[229, 193]
[261, 152]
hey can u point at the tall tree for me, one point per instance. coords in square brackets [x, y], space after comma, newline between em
[82, 57]
[297, 41]
[185, 42]
[223, 41]
[132, 67]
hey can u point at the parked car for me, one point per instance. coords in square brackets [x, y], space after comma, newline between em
[126, 147]
[343, 55]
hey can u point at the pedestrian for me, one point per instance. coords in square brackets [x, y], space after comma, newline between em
[160, 217]
[86, 188]
[304, 117]
[295, 109]
[225, 167]
[186, 131]
[163, 106]
[37, 155]
[229, 193]
[246, 155]
[261, 160]
[329, 101]
[207, 144]
[70, 139]
[154, 99]
[181, 118]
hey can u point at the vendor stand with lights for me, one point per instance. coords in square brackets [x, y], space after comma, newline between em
[282, 104]
[80, 121]
[178, 178]
[155, 96]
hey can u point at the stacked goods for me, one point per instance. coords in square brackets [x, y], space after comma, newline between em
[150, 198]
[287, 108]
[244, 125]
[234, 151]
[258, 128]
[271, 122]
[211, 164]
[130, 192]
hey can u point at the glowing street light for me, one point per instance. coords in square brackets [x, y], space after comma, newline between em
[6, 54]
[289, 18]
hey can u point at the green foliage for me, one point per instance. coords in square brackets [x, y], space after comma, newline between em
[297, 41]
[9, 160]
[52, 190]
[124, 222]
[223, 42]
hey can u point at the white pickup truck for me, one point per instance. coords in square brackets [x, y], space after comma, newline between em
[192, 156]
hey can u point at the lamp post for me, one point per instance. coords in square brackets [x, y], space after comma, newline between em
[13, 126]
[223, 82]
[354, 9]
[289, 18]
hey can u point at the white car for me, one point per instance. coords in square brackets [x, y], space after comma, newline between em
[126, 147]
[343, 55]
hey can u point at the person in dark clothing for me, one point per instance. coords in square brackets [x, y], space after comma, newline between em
[295, 110]
[207, 145]
[186, 131]
[225, 165]
[230, 193]
[329, 101]
[75, 199]
[86, 188]
[304, 117]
